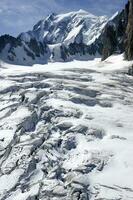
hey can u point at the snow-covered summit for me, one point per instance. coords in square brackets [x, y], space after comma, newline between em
[58, 37]
[79, 26]
[69, 36]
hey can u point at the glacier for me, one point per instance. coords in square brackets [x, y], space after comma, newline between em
[66, 131]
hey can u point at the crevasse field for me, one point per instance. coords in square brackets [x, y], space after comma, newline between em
[66, 131]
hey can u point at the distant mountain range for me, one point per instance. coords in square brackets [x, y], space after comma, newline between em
[65, 37]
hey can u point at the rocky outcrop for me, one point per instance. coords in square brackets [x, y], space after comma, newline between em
[114, 33]
[6, 39]
[129, 34]
[16, 51]
[109, 46]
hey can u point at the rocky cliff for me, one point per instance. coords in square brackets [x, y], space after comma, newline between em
[129, 34]
[114, 34]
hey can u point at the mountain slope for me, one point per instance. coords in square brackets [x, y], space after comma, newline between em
[14, 50]
[79, 27]
[61, 37]
[69, 35]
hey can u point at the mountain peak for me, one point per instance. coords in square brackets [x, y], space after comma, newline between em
[61, 37]
[58, 28]
[84, 12]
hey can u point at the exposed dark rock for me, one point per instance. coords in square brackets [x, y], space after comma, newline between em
[69, 143]
[29, 53]
[7, 39]
[129, 34]
[37, 47]
[114, 34]
[30, 122]
[83, 49]
[130, 71]
[64, 53]
[109, 41]
[30, 50]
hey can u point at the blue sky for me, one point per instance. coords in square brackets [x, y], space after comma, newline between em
[20, 15]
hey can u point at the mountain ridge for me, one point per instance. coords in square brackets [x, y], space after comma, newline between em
[77, 35]
[62, 37]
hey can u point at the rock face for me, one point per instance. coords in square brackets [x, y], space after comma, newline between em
[109, 42]
[5, 39]
[129, 33]
[16, 51]
[114, 34]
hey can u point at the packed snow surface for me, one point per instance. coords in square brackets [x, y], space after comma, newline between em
[66, 131]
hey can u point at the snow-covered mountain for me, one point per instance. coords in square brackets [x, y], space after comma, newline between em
[14, 50]
[65, 37]
[66, 129]
[60, 37]
[79, 27]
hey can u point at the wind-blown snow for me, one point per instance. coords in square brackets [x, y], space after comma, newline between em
[66, 131]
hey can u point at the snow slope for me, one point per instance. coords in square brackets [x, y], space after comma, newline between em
[66, 131]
